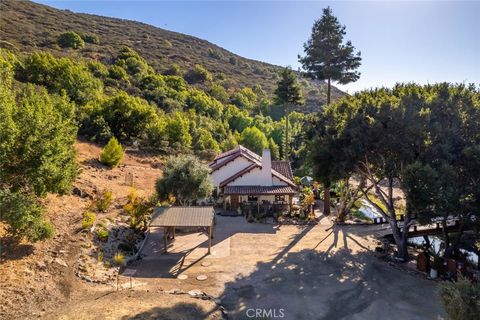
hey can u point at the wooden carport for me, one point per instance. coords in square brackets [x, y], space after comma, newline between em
[171, 217]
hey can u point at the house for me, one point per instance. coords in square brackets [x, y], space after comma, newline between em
[242, 176]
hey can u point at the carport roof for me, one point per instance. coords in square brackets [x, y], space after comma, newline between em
[183, 217]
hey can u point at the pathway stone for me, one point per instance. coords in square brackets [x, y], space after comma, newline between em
[202, 277]
[182, 277]
[206, 263]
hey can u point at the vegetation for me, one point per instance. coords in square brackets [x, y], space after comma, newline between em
[88, 219]
[288, 94]
[254, 139]
[103, 200]
[36, 152]
[327, 57]
[436, 162]
[70, 39]
[18, 19]
[119, 259]
[186, 178]
[461, 299]
[112, 154]
[139, 210]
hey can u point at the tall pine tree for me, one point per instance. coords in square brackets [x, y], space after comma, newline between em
[328, 57]
[288, 94]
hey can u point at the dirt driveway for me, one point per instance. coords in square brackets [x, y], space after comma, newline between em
[268, 271]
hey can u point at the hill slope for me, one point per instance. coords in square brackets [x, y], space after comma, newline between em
[27, 26]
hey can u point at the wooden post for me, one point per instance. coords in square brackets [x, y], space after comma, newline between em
[290, 200]
[173, 232]
[209, 238]
[165, 238]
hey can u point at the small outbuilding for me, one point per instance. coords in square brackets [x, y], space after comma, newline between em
[172, 217]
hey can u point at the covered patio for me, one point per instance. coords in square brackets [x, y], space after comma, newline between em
[172, 217]
[275, 198]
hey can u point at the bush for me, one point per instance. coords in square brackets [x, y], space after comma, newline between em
[102, 233]
[198, 74]
[138, 209]
[24, 217]
[174, 70]
[119, 259]
[88, 219]
[461, 299]
[112, 154]
[104, 200]
[70, 39]
[91, 38]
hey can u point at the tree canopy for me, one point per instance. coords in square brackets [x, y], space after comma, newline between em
[254, 139]
[424, 138]
[327, 56]
[37, 156]
[186, 178]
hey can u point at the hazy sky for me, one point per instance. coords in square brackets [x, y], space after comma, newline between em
[425, 42]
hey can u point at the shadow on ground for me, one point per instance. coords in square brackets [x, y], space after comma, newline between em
[333, 284]
[180, 311]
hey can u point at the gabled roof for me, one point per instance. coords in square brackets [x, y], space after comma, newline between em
[230, 155]
[280, 169]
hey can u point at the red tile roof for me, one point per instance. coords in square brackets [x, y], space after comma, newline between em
[283, 167]
[258, 190]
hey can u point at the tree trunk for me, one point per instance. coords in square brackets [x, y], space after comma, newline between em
[401, 239]
[326, 201]
[286, 134]
[328, 91]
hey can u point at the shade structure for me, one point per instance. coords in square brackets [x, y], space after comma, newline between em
[183, 217]
[172, 217]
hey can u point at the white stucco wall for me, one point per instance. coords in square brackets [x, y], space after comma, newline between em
[229, 170]
[252, 178]
[278, 182]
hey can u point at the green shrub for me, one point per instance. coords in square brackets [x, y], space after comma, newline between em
[198, 74]
[70, 39]
[119, 259]
[461, 299]
[138, 209]
[88, 219]
[102, 233]
[104, 200]
[91, 38]
[112, 154]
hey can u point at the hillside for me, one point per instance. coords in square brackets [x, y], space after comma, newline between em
[37, 277]
[26, 26]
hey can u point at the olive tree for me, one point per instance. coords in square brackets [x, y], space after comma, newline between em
[185, 178]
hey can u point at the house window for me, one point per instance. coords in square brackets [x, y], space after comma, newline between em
[280, 197]
[252, 198]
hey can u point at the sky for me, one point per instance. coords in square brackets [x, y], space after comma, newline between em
[409, 41]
